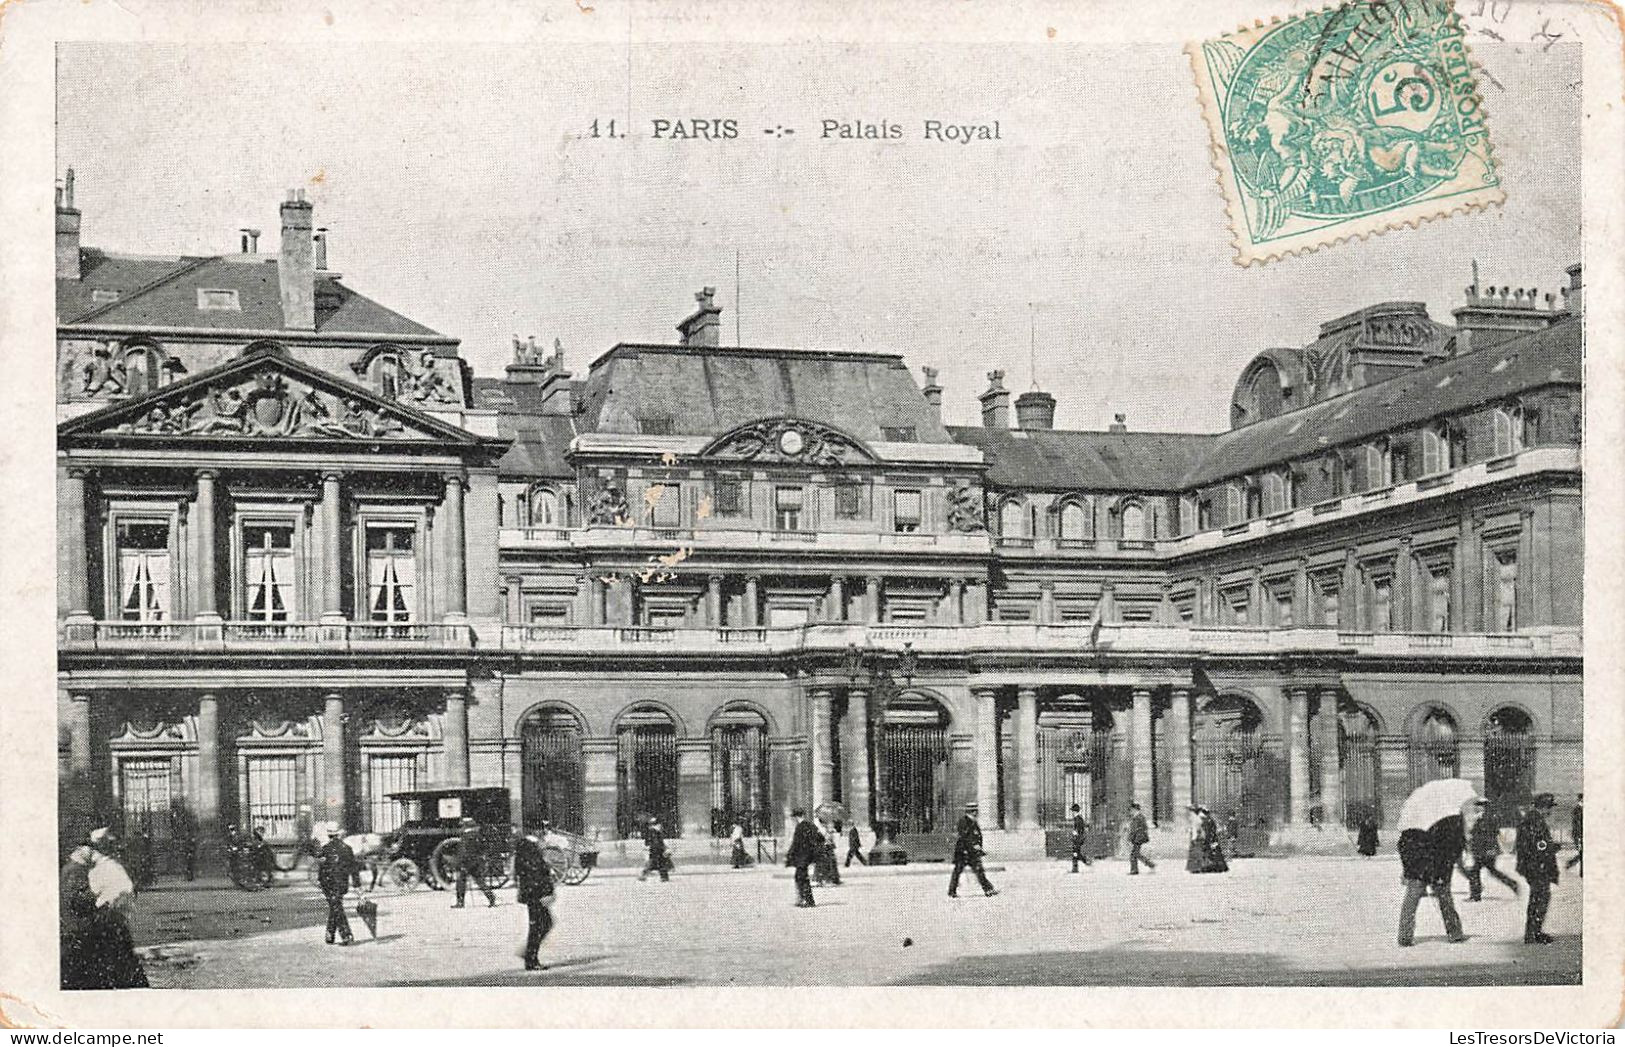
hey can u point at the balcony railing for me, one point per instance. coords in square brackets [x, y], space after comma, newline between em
[262, 636]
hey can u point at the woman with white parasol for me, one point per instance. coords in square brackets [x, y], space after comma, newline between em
[1432, 832]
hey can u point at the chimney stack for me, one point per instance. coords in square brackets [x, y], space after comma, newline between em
[320, 240]
[704, 327]
[1572, 299]
[251, 240]
[1119, 423]
[67, 232]
[1035, 410]
[932, 391]
[995, 402]
[296, 266]
[1492, 316]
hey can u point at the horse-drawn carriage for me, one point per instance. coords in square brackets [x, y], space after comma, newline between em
[427, 848]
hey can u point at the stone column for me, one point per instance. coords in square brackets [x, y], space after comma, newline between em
[456, 576]
[837, 599]
[516, 600]
[713, 601]
[599, 788]
[1140, 735]
[208, 780]
[77, 792]
[956, 601]
[871, 599]
[454, 736]
[855, 754]
[818, 738]
[1404, 586]
[1179, 738]
[987, 757]
[599, 597]
[1331, 775]
[753, 602]
[1297, 756]
[72, 512]
[1350, 600]
[1046, 602]
[694, 786]
[332, 806]
[332, 550]
[1026, 754]
[205, 598]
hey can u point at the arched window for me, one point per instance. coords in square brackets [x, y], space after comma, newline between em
[546, 510]
[1434, 750]
[386, 375]
[1274, 492]
[1076, 522]
[1012, 520]
[1436, 449]
[1508, 423]
[143, 369]
[1133, 522]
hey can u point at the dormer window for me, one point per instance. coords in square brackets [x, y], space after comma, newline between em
[1436, 449]
[1133, 522]
[1233, 503]
[211, 299]
[1075, 522]
[1510, 425]
[898, 434]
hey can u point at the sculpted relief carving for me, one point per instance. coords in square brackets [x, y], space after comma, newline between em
[266, 406]
[788, 440]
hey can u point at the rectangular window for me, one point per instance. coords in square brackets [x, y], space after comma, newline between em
[1502, 424]
[665, 505]
[1274, 493]
[906, 512]
[1255, 500]
[1399, 463]
[143, 571]
[1204, 514]
[782, 617]
[268, 572]
[666, 616]
[1505, 593]
[1281, 610]
[787, 508]
[848, 501]
[549, 614]
[898, 434]
[273, 797]
[1014, 613]
[211, 299]
[729, 499]
[391, 573]
[387, 774]
[1382, 605]
[1329, 604]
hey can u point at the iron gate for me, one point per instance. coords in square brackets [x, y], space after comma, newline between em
[1357, 755]
[1084, 767]
[146, 793]
[1432, 758]
[1509, 776]
[739, 793]
[646, 780]
[553, 783]
[915, 777]
[1239, 781]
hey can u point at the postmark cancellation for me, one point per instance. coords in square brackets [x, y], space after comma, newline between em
[1344, 122]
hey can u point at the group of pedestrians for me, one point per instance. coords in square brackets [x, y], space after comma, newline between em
[94, 893]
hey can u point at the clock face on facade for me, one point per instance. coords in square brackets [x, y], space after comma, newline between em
[791, 442]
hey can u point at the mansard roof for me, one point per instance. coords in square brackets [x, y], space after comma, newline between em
[705, 391]
[267, 394]
[539, 446]
[163, 292]
[1551, 356]
[1064, 460]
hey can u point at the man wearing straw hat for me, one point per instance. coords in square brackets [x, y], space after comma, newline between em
[336, 871]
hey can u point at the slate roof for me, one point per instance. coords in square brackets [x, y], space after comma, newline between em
[539, 444]
[709, 391]
[162, 292]
[1063, 460]
[1546, 357]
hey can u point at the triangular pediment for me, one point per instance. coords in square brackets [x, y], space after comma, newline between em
[267, 395]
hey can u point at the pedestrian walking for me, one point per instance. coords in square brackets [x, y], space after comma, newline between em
[740, 859]
[829, 866]
[1432, 833]
[337, 870]
[805, 843]
[1483, 847]
[1367, 841]
[76, 922]
[184, 828]
[1537, 864]
[110, 945]
[533, 884]
[655, 840]
[854, 847]
[1206, 854]
[1080, 838]
[1577, 831]
[471, 859]
[968, 852]
[1139, 834]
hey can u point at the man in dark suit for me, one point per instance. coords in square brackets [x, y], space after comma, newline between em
[968, 851]
[1139, 834]
[655, 840]
[336, 872]
[854, 847]
[533, 881]
[806, 844]
[1577, 831]
[1080, 836]
[471, 858]
[1484, 844]
[1537, 864]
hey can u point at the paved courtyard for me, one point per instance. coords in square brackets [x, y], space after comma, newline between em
[1305, 921]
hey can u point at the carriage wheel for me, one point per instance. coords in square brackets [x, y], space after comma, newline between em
[405, 874]
[575, 873]
[444, 860]
[558, 861]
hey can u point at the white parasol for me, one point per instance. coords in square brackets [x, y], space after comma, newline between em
[1434, 801]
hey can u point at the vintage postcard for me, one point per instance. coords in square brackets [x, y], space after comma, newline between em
[798, 506]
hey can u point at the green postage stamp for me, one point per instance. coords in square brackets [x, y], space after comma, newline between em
[1344, 122]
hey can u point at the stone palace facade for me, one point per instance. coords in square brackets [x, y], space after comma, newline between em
[308, 559]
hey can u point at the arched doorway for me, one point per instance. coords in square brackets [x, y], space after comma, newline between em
[739, 762]
[1357, 763]
[1434, 749]
[553, 785]
[1238, 774]
[1081, 761]
[646, 771]
[1509, 763]
[914, 764]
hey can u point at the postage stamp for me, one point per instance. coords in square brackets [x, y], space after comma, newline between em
[1344, 122]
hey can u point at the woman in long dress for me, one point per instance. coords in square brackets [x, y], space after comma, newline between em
[1213, 852]
[1196, 857]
